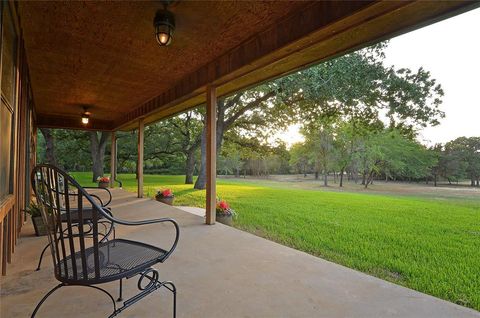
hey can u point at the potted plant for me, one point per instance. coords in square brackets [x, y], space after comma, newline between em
[103, 182]
[165, 196]
[225, 214]
[34, 210]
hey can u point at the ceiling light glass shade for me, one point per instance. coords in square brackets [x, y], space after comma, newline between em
[164, 24]
[85, 119]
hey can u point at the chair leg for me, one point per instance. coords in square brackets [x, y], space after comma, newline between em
[41, 257]
[171, 287]
[174, 303]
[121, 291]
[45, 298]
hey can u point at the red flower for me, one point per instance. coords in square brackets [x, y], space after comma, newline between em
[223, 205]
[167, 193]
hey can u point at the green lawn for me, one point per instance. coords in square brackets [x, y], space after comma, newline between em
[430, 246]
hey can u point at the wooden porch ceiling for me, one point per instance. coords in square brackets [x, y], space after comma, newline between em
[103, 54]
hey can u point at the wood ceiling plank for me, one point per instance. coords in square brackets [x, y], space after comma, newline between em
[104, 54]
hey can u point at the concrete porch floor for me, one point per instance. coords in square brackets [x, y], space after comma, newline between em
[219, 272]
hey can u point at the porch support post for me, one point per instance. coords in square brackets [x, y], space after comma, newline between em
[211, 134]
[113, 160]
[141, 128]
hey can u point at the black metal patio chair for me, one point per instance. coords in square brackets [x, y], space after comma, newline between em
[109, 227]
[89, 260]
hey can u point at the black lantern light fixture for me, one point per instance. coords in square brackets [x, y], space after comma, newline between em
[85, 116]
[164, 23]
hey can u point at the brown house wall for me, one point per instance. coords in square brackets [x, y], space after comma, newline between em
[19, 137]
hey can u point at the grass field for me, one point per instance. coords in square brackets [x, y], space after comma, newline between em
[427, 243]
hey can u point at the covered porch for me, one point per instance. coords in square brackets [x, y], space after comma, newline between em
[62, 59]
[219, 272]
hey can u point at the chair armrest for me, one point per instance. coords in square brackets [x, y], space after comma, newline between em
[107, 214]
[104, 189]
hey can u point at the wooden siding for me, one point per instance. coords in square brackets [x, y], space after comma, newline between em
[22, 147]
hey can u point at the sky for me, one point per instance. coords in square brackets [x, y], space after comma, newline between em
[450, 50]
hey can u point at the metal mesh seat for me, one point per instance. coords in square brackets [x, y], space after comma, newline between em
[117, 258]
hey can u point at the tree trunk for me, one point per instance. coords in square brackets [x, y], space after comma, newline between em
[190, 166]
[136, 170]
[97, 150]
[435, 180]
[341, 177]
[370, 179]
[325, 178]
[49, 146]
[316, 175]
[364, 178]
[201, 182]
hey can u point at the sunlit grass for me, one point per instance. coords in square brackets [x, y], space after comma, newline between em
[430, 246]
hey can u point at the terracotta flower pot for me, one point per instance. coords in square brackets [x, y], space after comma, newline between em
[224, 219]
[168, 200]
[103, 184]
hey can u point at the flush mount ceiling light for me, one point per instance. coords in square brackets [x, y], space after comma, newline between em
[164, 23]
[85, 116]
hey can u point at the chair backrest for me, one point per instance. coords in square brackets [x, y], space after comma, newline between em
[71, 217]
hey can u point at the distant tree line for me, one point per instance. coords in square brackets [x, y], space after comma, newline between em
[359, 118]
[386, 155]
